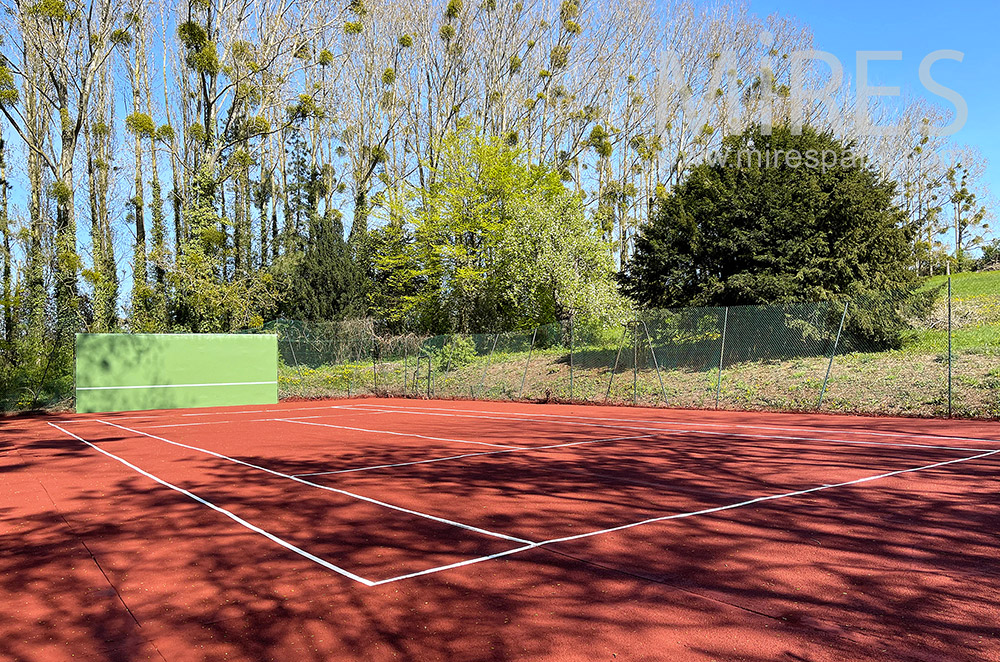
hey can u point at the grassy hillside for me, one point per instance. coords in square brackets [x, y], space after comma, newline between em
[966, 285]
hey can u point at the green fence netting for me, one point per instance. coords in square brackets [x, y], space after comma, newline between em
[879, 354]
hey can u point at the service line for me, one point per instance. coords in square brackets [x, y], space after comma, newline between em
[694, 431]
[800, 428]
[397, 434]
[519, 449]
[327, 488]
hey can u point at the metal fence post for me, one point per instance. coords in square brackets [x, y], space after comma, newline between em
[635, 362]
[829, 366]
[571, 357]
[722, 354]
[656, 364]
[527, 363]
[298, 366]
[617, 357]
[350, 379]
[374, 361]
[489, 358]
[430, 374]
[950, 356]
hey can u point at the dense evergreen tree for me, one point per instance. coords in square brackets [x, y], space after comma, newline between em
[324, 283]
[319, 276]
[765, 222]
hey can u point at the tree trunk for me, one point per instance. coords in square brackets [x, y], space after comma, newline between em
[140, 276]
[67, 259]
[274, 229]
[239, 235]
[37, 294]
[359, 226]
[8, 256]
[159, 230]
[97, 248]
[262, 200]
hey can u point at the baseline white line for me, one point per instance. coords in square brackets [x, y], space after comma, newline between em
[875, 433]
[398, 434]
[519, 449]
[459, 564]
[236, 518]
[705, 511]
[190, 425]
[671, 431]
[280, 474]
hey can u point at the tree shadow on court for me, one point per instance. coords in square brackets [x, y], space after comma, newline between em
[57, 603]
[904, 568]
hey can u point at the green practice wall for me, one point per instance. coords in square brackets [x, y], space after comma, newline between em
[122, 372]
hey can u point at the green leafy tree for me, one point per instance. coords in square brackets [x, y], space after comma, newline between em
[204, 301]
[497, 243]
[394, 277]
[765, 224]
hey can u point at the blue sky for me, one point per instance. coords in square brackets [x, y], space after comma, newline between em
[917, 28]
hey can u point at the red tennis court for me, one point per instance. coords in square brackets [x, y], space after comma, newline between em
[379, 529]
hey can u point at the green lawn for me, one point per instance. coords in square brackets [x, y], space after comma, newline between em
[969, 285]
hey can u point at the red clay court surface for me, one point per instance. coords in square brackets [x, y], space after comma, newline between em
[374, 529]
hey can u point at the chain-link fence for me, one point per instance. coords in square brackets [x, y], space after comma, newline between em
[931, 353]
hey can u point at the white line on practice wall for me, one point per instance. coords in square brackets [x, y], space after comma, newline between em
[117, 388]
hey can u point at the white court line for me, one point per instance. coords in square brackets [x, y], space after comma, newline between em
[172, 415]
[431, 571]
[280, 474]
[398, 434]
[236, 518]
[693, 513]
[674, 432]
[187, 425]
[528, 544]
[519, 449]
[232, 422]
[273, 411]
[875, 433]
[773, 497]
